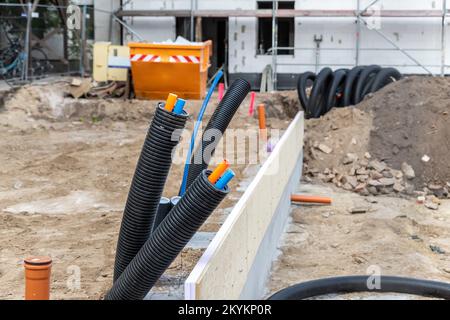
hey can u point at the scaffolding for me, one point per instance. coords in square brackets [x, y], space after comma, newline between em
[360, 15]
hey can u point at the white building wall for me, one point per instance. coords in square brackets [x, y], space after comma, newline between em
[102, 21]
[421, 37]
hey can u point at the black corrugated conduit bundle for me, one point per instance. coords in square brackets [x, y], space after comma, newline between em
[147, 185]
[350, 284]
[167, 241]
[341, 88]
[219, 122]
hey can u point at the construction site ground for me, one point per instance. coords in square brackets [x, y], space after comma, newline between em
[66, 166]
[393, 237]
[65, 170]
[385, 165]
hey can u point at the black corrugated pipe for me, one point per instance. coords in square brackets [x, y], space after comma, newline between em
[164, 208]
[319, 94]
[147, 185]
[167, 241]
[336, 86]
[350, 85]
[218, 123]
[341, 88]
[348, 284]
[385, 77]
[364, 78]
[302, 83]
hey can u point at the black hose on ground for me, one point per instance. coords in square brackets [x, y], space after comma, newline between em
[167, 241]
[363, 78]
[319, 94]
[302, 83]
[384, 77]
[147, 185]
[341, 88]
[215, 128]
[350, 85]
[349, 284]
[338, 82]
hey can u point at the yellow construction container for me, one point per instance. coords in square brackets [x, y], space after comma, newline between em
[111, 62]
[160, 69]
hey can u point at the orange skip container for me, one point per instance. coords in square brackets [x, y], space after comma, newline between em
[37, 277]
[159, 69]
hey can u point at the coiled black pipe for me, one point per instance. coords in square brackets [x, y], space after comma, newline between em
[319, 93]
[350, 284]
[384, 77]
[216, 127]
[341, 88]
[303, 80]
[363, 79]
[167, 241]
[350, 86]
[336, 86]
[147, 185]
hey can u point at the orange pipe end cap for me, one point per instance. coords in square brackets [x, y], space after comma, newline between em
[170, 102]
[219, 171]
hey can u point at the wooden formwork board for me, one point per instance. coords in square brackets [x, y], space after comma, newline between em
[224, 269]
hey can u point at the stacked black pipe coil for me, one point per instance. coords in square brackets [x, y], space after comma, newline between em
[341, 88]
[167, 241]
[216, 127]
[147, 185]
[349, 284]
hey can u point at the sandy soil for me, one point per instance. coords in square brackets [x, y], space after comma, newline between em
[404, 123]
[65, 170]
[395, 237]
[398, 236]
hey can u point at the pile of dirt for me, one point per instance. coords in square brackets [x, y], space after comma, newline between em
[410, 124]
[395, 141]
[51, 103]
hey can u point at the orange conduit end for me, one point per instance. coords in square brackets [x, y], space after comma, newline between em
[310, 199]
[263, 135]
[170, 102]
[218, 172]
[37, 277]
[262, 116]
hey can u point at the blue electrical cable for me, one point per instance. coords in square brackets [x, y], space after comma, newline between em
[223, 181]
[179, 105]
[196, 127]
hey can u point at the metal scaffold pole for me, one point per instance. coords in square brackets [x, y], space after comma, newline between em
[274, 44]
[192, 21]
[27, 46]
[83, 42]
[358, 32]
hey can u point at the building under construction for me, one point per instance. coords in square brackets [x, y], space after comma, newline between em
[290, 36]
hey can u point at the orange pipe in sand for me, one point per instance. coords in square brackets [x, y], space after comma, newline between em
[310, 199]
[218, 172]
[170, 102]
[37, 278]
[262, 116]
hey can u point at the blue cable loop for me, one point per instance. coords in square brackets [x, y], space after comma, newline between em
[196, 128]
